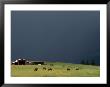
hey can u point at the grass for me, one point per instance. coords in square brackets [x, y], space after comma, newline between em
[59, 70]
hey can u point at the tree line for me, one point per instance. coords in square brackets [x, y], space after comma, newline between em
[87, 62]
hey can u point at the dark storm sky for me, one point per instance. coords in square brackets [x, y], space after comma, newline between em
[66, 36]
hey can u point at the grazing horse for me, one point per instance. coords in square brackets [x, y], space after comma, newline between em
[44, 68]
[35, 69]
[77, 68]
[68, 69]
[50, 69]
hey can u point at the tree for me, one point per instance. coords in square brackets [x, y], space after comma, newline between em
[87, 62]
[82, 62]
[93, 62]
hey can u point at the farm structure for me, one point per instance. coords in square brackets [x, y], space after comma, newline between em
[26, 62]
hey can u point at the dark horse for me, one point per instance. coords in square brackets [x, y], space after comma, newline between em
[44, 68]
[68, 69]
[77, 68]
[50, 69]
[35, 69]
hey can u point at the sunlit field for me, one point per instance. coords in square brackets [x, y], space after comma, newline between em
[58, 70]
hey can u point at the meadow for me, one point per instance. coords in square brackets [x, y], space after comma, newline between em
[58, 70]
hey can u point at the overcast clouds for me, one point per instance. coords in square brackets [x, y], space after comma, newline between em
[67, 36]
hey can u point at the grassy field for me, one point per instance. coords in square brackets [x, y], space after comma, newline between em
[58, 70]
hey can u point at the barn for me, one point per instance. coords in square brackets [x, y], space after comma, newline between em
[37, 62]
[19, 62]
[26, 62]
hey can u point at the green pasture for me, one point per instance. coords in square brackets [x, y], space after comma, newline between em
[58, 70]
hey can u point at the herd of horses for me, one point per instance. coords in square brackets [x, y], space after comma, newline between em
[50, 69]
